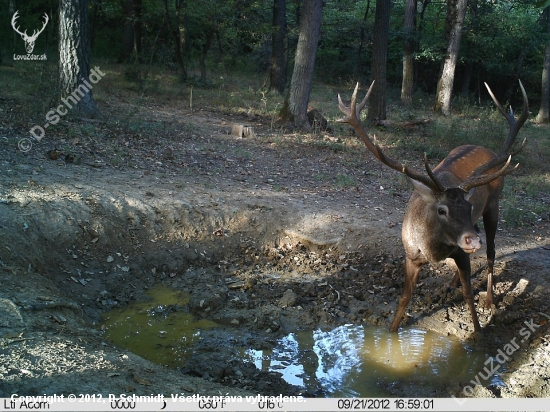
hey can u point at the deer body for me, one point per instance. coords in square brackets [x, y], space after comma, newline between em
[440, 219]
[429, 237]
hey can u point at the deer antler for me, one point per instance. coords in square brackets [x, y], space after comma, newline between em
[13, 23]
[478, 176]
[24, 34]
[353, 113]
[37, 32]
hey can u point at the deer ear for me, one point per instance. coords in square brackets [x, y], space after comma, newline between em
[427, 194]
[469, 193]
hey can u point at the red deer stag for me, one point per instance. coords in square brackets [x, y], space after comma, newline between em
[440, 219]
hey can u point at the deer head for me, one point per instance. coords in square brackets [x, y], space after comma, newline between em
[29, 40]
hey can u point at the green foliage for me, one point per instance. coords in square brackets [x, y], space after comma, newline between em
[500, 39]
[343, 181]
[521, 201]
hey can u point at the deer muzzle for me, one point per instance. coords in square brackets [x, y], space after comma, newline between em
[470, 243]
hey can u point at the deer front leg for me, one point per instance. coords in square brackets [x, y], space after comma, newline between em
[462, 261]
[411, 277]
[490, 220]
[456, 278]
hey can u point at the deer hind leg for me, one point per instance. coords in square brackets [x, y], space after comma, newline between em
[490, 220]
[462, 261]
[411, 277]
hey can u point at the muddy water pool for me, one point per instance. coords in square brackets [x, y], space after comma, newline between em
[349, 360]
[157, 329]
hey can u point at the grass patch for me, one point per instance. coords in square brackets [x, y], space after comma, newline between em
[342, 181]
[526, 199]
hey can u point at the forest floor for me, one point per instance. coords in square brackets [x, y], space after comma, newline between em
[269, 234]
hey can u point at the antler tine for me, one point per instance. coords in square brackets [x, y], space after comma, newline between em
[353, 103]
[343, 109]
[497, 103]
[431, 174]
[514, 126]
[524, 111]
[515, 152]
[36, 32]
[46, 20]
[365, 99]
[352, 119]
[14, 22]
[477, 180]
[503, 155]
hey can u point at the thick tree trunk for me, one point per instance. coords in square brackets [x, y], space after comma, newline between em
[277, 73]
[295, 107]
[377, 104]
[74, 58]
[408, 52]
[456, 12]
[543, 115]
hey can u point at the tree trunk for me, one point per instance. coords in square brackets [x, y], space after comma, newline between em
[93, 22]
[131, 41]
[295, 107]
[543, 115]
[277, 73]
[408, 52]
[456, 12]
[377, 104]
[204, 52]
[175, 32]
[74, 59]
[467, 80]
[469, 69]
[362, 41]
[419, 32]
[513, 78]
[137, 28]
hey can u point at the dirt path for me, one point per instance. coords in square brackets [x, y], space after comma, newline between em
[268, 234]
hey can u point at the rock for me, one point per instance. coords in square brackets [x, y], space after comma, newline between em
[211, 299]
[289, 299]
[10, 317]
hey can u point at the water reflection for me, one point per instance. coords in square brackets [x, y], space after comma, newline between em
[353, 360]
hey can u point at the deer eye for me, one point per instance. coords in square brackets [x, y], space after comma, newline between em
[442, 211]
